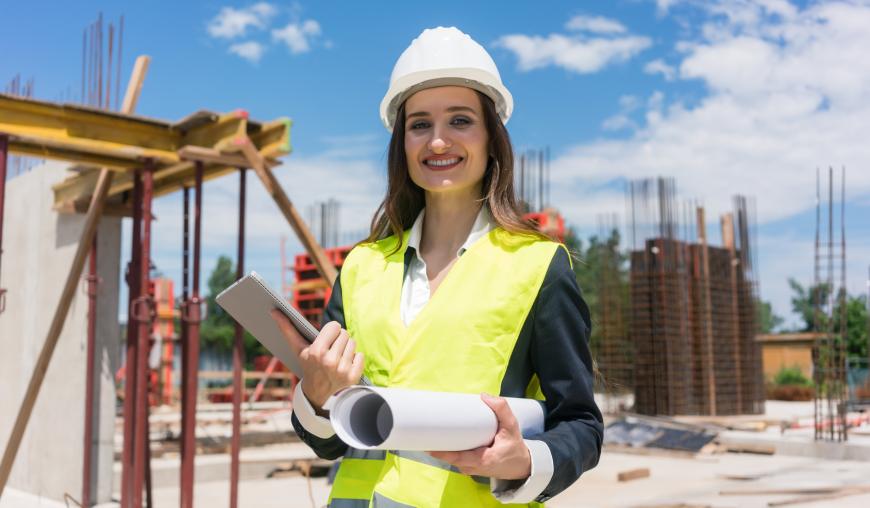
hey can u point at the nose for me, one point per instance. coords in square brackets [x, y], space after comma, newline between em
[439, 142]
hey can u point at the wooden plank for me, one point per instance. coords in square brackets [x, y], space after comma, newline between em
[213, 156]
[273, 187]
[62, 309]
[272, 141]
[708, 311]
[632, 474]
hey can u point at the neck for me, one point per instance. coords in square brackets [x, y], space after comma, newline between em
[448, 220]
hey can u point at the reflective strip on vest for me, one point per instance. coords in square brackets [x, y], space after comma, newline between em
[355, 453]
[460, 342]
[348, 503]
[381, 501]
[429, 460]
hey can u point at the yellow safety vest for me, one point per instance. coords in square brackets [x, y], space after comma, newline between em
[461, 341]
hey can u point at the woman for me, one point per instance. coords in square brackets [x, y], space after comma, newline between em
[454, 291]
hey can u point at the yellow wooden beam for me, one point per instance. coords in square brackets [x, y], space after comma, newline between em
[271, 139]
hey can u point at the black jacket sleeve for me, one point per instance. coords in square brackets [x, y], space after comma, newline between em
[332, 447]
[560, 356]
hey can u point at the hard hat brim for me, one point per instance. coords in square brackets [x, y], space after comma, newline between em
[476, 79]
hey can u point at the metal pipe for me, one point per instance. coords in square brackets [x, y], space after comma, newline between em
[132, 277]
[185, 286]
[238, 357]
[193, 313]
[142, 312]
[87, 450]
[4, 153]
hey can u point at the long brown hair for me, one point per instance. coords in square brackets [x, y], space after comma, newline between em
[405, 199]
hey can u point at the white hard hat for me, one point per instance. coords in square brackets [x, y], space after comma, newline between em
[441, 57]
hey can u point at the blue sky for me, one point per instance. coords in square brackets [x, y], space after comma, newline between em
[728, 96]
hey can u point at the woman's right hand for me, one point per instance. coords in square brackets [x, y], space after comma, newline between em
[329, 364]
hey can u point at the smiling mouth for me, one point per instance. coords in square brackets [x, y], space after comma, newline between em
[442, 164]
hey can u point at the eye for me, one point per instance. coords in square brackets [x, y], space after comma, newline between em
[419, 124]
[461, 121]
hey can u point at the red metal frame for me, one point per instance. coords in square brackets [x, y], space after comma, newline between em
[87, 441]
[132, 277]
[4, 152]
[142, 313]
[238, 356]
[191, 316]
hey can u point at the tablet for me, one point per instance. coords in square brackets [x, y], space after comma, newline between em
[249, 301]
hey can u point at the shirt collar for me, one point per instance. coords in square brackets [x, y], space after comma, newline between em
[482, 225]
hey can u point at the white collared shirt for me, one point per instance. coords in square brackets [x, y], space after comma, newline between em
[415, 296]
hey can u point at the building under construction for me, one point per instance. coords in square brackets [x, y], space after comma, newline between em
[689, 347]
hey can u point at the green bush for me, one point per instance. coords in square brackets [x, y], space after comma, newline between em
[791, 376]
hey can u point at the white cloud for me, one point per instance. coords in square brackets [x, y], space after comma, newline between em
[792, 97]
[595, 24]
[298, 36]
[788, 90]
[576, 54]
[251, 51]
[658, 66]
[231, 23]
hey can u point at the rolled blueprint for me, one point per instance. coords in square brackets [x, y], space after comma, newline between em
[376, 418]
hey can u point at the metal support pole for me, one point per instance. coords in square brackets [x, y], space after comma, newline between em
[238, 357]
[185, 292]
[87, 445]
[131, 361]
[192, 314]
[143, 310]
[4, 152]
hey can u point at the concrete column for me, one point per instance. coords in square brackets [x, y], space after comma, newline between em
[39, 245]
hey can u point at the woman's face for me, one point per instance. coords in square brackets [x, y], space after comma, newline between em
[446, 139]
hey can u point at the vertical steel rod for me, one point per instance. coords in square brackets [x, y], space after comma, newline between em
[193, 311]
[132, 348]
[87, 451]
[238, 356]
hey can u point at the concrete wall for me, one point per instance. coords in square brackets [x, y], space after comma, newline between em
[39, 245]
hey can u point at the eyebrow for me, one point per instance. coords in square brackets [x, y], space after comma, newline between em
[451, 109]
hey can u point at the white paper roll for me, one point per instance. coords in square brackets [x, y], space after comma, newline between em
[376, 418]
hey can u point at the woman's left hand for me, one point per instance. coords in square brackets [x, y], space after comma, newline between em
[507, 458]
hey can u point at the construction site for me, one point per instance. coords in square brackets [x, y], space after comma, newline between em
[99, 412]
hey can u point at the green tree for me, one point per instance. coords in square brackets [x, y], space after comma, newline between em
[767, 319]
[804, 303]
[218, 327]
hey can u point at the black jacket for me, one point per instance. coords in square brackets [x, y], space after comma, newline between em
[554, 344]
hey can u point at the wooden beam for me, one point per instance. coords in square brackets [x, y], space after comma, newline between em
[210, 155]
[708, 310]
[273, 187]
[66, 297]
[272, 141]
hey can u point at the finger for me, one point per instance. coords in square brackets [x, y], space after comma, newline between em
[336, 350]
[345, 364]
[503, 413]
[356, 369]
[325, 338]
[294, 339]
